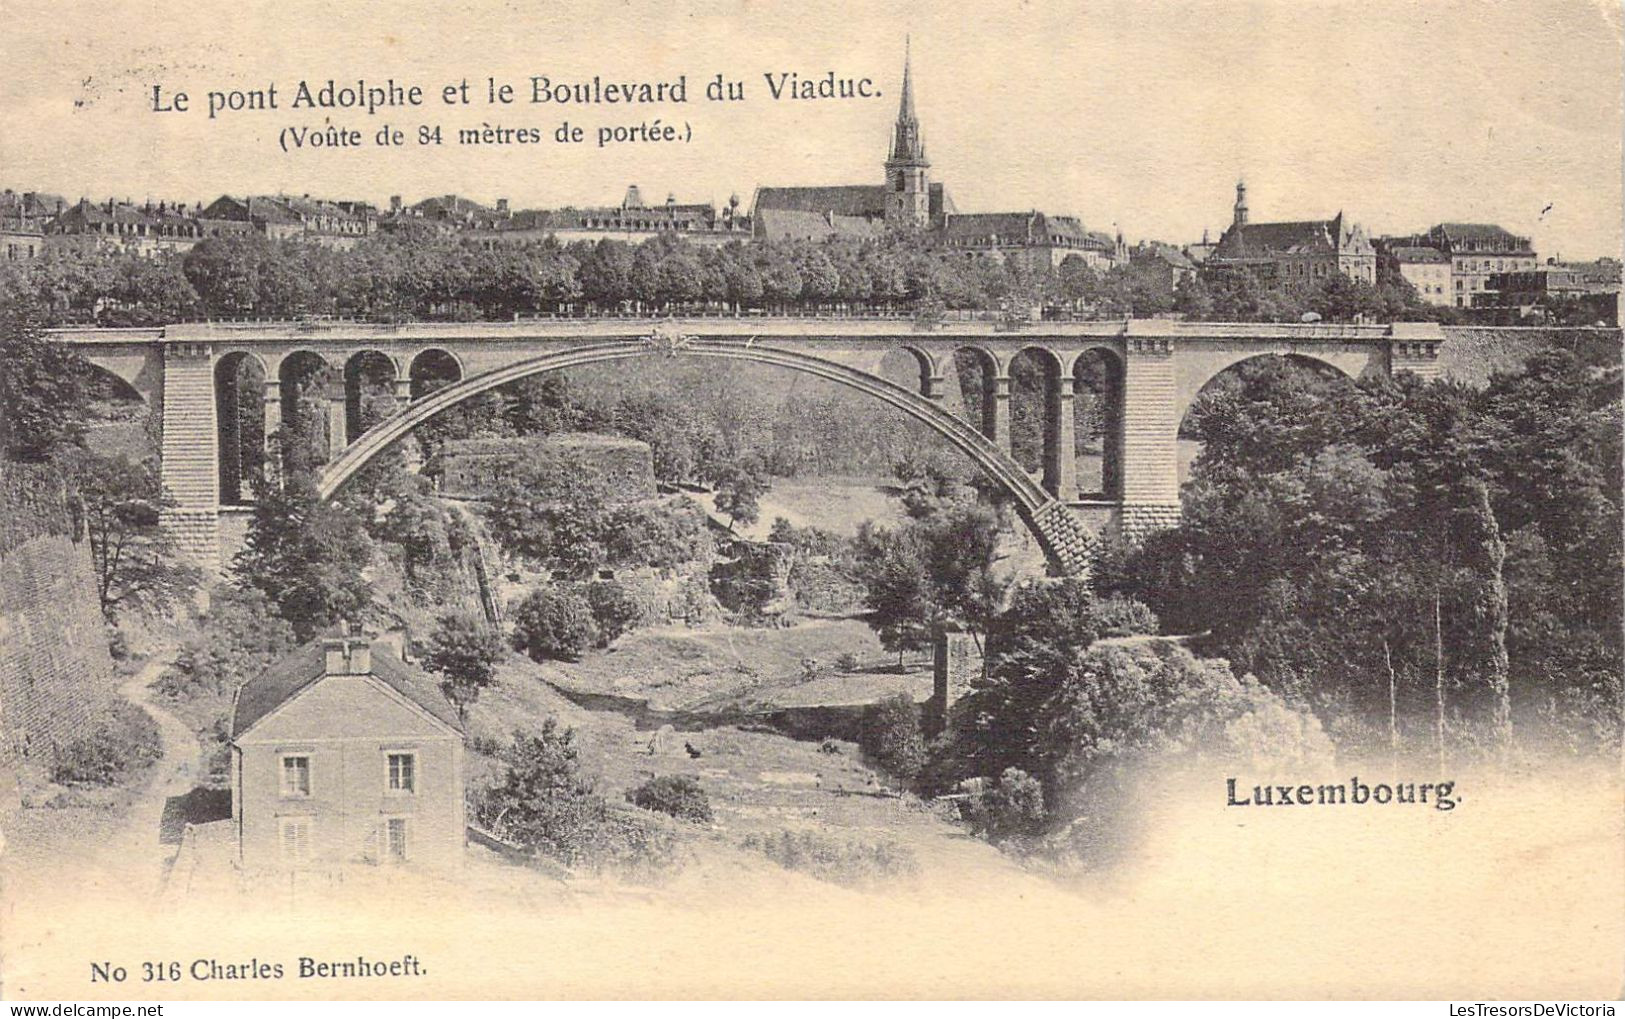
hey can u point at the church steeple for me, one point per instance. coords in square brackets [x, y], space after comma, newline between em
[908, 193]
[907, 147]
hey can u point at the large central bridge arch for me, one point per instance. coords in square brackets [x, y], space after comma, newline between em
[1057, 531]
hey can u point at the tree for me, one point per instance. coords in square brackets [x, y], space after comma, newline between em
[543, 801]
[44, 393]
[136, 563]
[930, 575]
[892, 738]
[740, 484]
[464, 650]
[306, 556]
[553, 622]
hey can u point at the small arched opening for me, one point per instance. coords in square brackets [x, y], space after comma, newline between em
[1097, 408]
[239, 400]
[310, 387]
[369, 392]
[976, 373]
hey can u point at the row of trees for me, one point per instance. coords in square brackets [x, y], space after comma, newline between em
[422, 274]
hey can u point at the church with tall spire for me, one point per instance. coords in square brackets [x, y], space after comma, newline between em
[910, 202]
[907, 200]
[908, 190]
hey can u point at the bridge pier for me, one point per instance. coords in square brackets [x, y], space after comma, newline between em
[338, 406]
[1150, 439]
[1061, 444]
[189, 459]
[273, 429]
[1001, 413]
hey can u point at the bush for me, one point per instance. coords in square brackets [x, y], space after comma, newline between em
[892, 737]
[1122, 616]
[851, 862]
[846, 661]
[545, 804]
[615, 610]
[1011, 808]
[120, 743]
[677, 795]
[241, 637]
[554, 622]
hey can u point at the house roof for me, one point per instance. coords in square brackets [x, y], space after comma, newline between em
[1413, 254]
[1167, 254]
[304, 667]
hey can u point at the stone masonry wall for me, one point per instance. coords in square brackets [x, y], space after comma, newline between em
[55, 672]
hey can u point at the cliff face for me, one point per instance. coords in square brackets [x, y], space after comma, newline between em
[55, 672]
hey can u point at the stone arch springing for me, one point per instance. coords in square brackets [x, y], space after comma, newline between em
[1097, 408]
[309, 387]
[369, 391]
[239, 395]
[1057, 531]
[976, 373]
[909, 367]
[1035, 395]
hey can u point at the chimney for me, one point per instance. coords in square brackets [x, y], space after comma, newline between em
[346, 656]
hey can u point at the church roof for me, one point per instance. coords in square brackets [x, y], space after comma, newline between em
[304, 666]
[840, 199]
[795, 224]
[1244, 241]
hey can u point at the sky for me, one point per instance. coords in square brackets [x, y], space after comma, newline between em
[1138, 116]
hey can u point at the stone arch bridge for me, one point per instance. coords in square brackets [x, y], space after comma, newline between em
[1142, 374]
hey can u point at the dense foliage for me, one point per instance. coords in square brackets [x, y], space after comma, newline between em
[554, 621]
[1422, 564]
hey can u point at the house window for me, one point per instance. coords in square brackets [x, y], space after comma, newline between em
[295, 775]
[403, 777]
[295, 837]
[395, 840]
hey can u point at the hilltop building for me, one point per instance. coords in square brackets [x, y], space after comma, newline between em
[908, 200]
[332, 224]
[142, 229]
[1426, 269]
[1308, 250]
[341, 753]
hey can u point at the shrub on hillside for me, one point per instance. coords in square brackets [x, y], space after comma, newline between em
[615, 610]
[119, 744]
[1120, 615]
[850, 862]
[677, 795]
[892, 738]
[554, 622]
[544, 803]
[846, 661]
[241, 636]
[1011, 808]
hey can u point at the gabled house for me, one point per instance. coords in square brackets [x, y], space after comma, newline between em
[342, 754]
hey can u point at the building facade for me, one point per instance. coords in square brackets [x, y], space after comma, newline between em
[1476, 252]
[1426, 269]
[285, 217]
[341, 754]
[1306, 251]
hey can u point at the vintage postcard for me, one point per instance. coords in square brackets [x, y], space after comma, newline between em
[742, 500]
